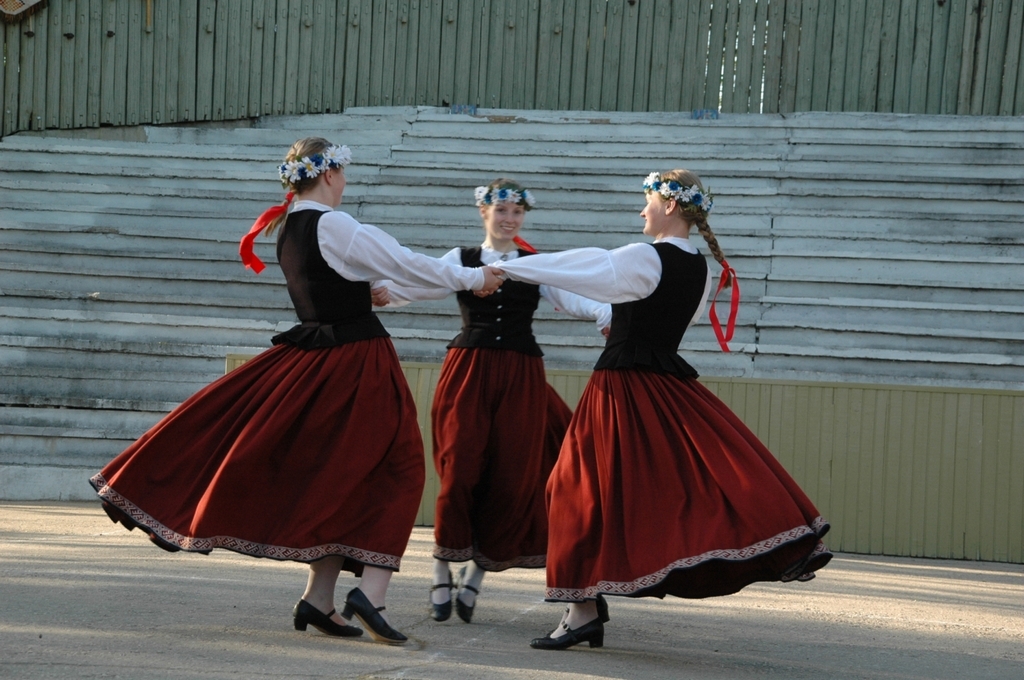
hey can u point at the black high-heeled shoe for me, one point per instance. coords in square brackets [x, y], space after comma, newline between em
[443, 611]
[465, 611]
[592, 632]
[306, 614]
[379, 629]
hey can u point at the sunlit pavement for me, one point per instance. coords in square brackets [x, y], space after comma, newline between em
[81, 597]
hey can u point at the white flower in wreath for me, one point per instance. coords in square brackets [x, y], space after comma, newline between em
[337, 156]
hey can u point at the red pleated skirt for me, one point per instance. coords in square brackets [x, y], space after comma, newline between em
[296, 455]
[497, 428]
[661, 490]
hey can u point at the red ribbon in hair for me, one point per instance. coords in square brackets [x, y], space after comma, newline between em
[249, 258]
[524, 245]
[728, 274]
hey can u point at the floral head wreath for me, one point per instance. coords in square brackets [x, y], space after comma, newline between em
[493, 195]
[309, 167]
[673, 189]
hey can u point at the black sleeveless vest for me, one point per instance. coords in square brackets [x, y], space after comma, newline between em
[333, 310]
[503, 319]
[646, 333]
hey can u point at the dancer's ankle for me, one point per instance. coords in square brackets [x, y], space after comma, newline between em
[580, 614]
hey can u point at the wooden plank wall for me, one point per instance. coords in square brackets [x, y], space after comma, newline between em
[86, 63]
[897, 470]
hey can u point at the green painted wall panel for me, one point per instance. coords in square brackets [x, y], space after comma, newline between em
[265, 88]
[132, 59]
[715, 49]
[642, 66]
[1011, 69]
[40, 27]
[549, 54]
[870, 59]
[3, 80]
[396, 55]
[937, 56]
[67, 66]
[1018, 105]
[837, 63]
[188, 26]
[220, 40]
[26, 85]
[773, 56]
[55, 42]
[8, 78]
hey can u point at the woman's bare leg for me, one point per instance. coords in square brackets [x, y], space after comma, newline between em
[374, 585]
[323, 578]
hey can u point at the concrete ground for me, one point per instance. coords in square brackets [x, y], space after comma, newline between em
[81, 597]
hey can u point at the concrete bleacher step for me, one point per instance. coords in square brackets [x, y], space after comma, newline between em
[271, 303]
[848, 334]
[39, 276]
[133, 389]
[69, 437]
[961, 319]
[140, 328]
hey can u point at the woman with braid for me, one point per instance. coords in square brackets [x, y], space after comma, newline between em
[497, 425]
[659, 488]
[311, 451]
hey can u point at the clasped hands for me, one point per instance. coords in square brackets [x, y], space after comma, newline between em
[493, 278]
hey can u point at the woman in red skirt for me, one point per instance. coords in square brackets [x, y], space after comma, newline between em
[660, 489]
[497, 424]
[310, 451]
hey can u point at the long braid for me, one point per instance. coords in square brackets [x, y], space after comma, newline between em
[701, 221]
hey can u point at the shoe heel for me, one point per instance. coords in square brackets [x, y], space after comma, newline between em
[597, 640]
[347, 612]
[300, 625]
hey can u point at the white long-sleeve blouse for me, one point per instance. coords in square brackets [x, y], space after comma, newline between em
[624, 274]
[362, 252]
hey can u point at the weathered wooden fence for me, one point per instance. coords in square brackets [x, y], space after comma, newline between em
[86, 63]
